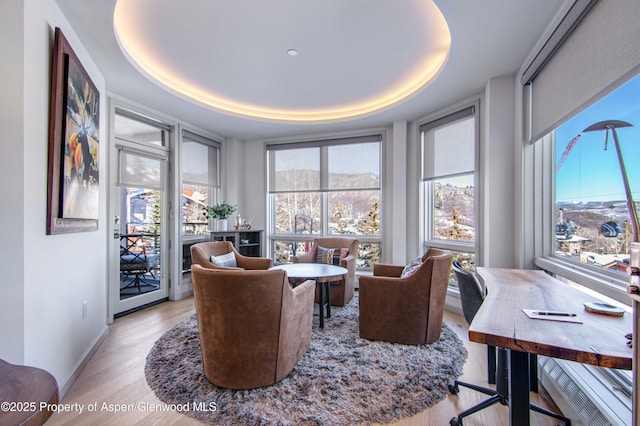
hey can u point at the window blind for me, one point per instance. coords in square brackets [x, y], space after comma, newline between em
[449, 145]
[325, 165]
[596, 48]
[135, 116]
[140, 171]
[200, 160]
[353, 167]
[294, 170]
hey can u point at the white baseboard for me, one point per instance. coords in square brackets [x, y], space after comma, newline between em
[453, 303]
[64, 388]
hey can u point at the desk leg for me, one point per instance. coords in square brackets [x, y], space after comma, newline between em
[519, 388]
[533, 373]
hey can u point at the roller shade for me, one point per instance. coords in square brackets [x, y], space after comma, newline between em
[353, 167]
[294, 170]
[596, 48]
[449, 145]
[139, 170]
[200, 160]
[343, 164]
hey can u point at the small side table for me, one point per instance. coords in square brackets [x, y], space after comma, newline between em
[25, 388]
[322, 274]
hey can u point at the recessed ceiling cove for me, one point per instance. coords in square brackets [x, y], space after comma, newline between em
[286, 60]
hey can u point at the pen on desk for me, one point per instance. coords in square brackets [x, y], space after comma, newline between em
[557, 314]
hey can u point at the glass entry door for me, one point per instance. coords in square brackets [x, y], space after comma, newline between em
[140, 214]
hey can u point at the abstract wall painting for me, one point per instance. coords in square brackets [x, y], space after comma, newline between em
[73, 175]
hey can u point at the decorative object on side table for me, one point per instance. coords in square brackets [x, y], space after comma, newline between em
[245, 225]
[220, 212]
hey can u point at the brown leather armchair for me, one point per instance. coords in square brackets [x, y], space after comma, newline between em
[405, 310]
[341, 291]
[253, 326]
[201, 255]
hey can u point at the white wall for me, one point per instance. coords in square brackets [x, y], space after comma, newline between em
[11, 173]
[254, 201]
[497, 188]
[413, 237]
[55, 274]
[397, 249]
[232, 153]
[246, 182]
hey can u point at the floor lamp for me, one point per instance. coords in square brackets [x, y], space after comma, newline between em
[634, 283]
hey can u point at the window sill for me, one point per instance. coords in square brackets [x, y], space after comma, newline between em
[464, 246]
[603, 282]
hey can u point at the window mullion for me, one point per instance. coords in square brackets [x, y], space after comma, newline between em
[324, 168]
[324, 185]
[324, 213]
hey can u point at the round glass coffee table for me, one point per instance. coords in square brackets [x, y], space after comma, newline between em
[322, 274]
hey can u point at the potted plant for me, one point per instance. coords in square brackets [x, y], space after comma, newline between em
[220, 212]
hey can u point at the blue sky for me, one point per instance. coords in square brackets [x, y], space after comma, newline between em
[590, 173]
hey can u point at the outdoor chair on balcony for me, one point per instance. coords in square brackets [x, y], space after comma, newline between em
[136, 264]
[225, 256]
[405, 304]
[344, 252]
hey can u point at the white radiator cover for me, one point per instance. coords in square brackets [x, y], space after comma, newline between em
[584, 394]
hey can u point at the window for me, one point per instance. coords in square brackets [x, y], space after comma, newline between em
[138, 128]
[324, 188]
[582, 81]
[200, 181]
[448, 170]
[593, 212]
[142, 157]
[579, 92]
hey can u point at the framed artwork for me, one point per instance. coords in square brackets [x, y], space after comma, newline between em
[74, 123]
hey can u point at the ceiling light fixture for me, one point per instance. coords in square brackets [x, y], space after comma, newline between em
[144, 53]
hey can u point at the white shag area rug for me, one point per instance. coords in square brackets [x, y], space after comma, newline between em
[341, 380]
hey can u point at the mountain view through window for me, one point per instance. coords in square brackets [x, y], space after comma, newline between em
[597, 151]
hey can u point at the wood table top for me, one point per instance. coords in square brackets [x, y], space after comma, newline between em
[598, 340]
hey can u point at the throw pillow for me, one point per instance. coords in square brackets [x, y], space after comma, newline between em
[339, 254]
[227, 260]
[331, 256]
[324, 255]
[411, 267]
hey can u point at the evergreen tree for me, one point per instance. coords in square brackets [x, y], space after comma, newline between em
[339, 217]
[151, 224]
[370, 225]
[455, 231]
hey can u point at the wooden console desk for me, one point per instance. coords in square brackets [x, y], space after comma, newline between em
[500, 321]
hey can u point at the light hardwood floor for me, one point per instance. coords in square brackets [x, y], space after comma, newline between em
[115, 375]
